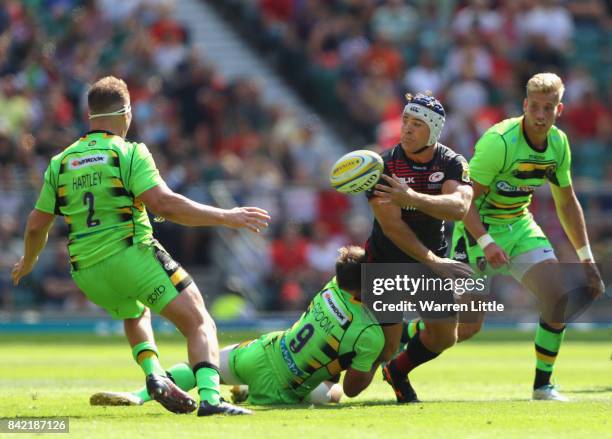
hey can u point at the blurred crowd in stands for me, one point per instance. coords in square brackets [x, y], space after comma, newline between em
[355, 58]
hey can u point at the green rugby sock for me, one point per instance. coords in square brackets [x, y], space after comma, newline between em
[547, 343]
[207, 379]
[146, 356]
[182, 375]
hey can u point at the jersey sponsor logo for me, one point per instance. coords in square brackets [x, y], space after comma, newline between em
[288, 360]
[95, 159]
[419, 168]
[407, 180]
[507, 187]
[334, 308]
[434, 185]
[436, 177]
[157, 293]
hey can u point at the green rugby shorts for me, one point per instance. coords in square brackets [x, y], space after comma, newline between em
[139, 276]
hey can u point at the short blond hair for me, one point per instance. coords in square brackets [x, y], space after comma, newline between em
[546, 83]
[107, 94]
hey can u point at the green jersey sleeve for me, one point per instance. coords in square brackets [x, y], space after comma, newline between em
[368, 347]
[489, 158]
[563, 172]
[47, 198]
[143, 173]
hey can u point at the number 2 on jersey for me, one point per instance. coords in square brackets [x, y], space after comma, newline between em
[301, 338]
[88, 199]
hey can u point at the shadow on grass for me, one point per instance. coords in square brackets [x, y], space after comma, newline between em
[598, 389]
[376, 403]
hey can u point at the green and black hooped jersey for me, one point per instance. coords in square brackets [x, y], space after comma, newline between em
[512, 169]
[334, 333]
[94, 184]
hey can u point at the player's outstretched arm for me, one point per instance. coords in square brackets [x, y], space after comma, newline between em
[162, 201]
[572, 219]
[451, 205]
[36, 233]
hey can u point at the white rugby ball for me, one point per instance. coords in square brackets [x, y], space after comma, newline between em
[356, 171]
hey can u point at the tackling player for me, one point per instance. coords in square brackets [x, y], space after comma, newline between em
[511, 159]
[425, 183]
[100, 185]
[335, 333]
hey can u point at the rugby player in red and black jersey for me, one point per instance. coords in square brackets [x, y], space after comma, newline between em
[423, 185]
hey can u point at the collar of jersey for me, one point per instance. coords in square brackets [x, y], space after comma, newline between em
[99, 132]
[409, 160]
[528, 142]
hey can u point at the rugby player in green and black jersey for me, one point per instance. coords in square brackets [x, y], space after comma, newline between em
[335, 333]
[511, 159]
[100, 185]
[423, 185]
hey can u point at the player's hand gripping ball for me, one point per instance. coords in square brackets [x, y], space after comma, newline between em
[356, 171]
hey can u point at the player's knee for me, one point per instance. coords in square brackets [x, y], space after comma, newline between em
[447, 340]
[467, 331]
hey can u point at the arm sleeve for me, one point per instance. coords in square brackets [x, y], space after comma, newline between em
[143, 173]
[47, 199]
[458, 169]
[368, 347]
[489, 158]
[563, 174]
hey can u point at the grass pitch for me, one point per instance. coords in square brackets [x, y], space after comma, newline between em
[478, 389]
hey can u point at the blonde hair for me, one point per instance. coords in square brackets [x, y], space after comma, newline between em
[107, 94]
[546, 83]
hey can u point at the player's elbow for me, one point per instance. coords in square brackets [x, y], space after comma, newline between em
[461, 212]
[161, 204]
[355, 382]
[162, 208]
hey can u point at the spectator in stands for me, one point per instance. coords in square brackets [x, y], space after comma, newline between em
[477, 18]
[397, 21]
[549, 19]
[425, 75]
[585, 116]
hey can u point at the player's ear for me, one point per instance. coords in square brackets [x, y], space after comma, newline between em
[560, 107]
[525, 104]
